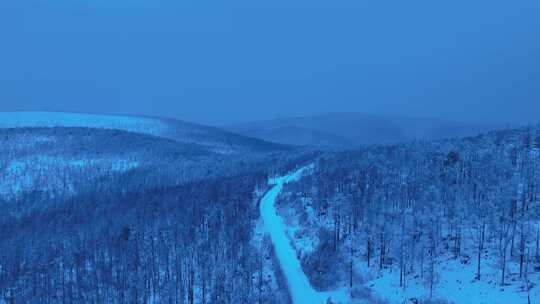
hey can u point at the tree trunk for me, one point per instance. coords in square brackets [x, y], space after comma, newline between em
[351, 265]
[369, 252]
[383, 249]
[537, 244]
[522, 251]
[503, 266]
[480, 248]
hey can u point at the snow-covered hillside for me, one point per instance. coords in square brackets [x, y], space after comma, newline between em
[61, 161]
[455, 282]
[217, 140]
[60, 119]
[55, 176]
[452, 221]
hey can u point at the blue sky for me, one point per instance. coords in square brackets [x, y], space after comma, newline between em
[227, 61]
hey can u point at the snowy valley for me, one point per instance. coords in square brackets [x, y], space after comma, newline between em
[269, 152]
[132, 217]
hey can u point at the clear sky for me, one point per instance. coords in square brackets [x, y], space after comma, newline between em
[228, 61]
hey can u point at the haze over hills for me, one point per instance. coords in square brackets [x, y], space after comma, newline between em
[215, 139]
[352, 129]
[336, 130]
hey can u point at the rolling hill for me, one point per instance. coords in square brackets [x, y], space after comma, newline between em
[353, 129]
[59, 161]
[58, 154]
[217, 140]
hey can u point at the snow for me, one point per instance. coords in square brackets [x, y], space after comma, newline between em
[455, 284]
[14, 180]
[340, 296]
[268, 271]
[50, 174]
[455, 281]
[122, 165]
[299, 285]
[303, 243]
[59, 119]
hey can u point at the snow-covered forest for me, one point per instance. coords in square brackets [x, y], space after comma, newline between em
[269, 152]
[109, 216]
[454, 221]
[97, 215]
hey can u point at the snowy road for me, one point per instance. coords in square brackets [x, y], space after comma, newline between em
[299, 285]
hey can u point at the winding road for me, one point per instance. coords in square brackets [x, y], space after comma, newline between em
[299, 286]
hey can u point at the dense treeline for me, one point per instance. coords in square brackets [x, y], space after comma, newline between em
[172, 245]
[402, 207]
[184, 244]
[80, 224]
[64, 161]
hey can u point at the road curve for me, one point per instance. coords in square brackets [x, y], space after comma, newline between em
[299, 286]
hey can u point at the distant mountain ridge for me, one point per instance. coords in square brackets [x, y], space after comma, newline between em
[216, 139]
[353, 129]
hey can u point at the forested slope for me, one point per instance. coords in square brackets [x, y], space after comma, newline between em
[453, 220]
[175, 244]
[96, 215]
[100, 215]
